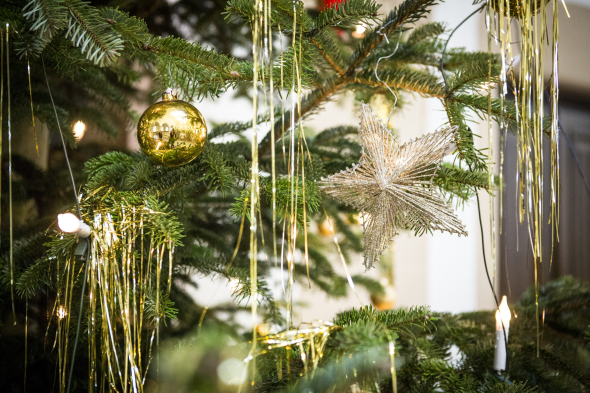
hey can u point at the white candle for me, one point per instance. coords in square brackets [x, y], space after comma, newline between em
[71, 224]
[502, 317]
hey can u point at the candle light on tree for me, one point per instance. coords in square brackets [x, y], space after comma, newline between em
[502, 327]
[69, 223]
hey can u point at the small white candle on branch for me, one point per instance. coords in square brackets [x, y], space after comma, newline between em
[502, 318]
[69, 223]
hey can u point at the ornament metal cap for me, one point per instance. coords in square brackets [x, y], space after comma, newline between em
[169, 95]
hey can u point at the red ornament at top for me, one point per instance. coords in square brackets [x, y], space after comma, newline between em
[332, 3]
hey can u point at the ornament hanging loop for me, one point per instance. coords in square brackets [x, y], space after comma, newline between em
[387, 57]
[170, 94]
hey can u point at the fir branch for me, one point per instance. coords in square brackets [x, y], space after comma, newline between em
[33, 278]
[165, 311]
[464, 136]
[472, 77]
[132, 30]
[107, 169]
[88, 30]
[426, 32]
[402, 318]
[329, 50]
[311, 102]
[420, 82]
[460, 183]
[47, 17]
[30, 267]
[335, 133]
[218, 175]
[410, 11]
[359, 336]
[347, 14]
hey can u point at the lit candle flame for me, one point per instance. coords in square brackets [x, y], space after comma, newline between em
[79, 129]
[61, 312]
[359, 32]
[503, 315]
[68, 222]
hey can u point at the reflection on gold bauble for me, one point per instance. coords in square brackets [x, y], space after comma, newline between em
[263, 329]
[516, 7]
[172, 132]
[385, 301]
[325, 229]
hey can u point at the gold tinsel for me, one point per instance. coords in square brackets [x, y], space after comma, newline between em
[311, 342]
[129, 278]
[532, 17]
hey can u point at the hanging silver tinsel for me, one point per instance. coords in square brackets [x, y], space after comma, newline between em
[392, 185]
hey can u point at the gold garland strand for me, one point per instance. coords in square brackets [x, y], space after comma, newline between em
[491, 151]
[254, 180]
[529, 102]
[269, 41]
[122, 293]
[1, 103]
[32, 110]
[10, 171]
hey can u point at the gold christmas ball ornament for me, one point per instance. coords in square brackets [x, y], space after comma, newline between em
[172, 132]
[385, 301]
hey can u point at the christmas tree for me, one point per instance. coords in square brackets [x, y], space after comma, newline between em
[118, 303]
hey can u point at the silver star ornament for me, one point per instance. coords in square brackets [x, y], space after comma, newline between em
[392, 185]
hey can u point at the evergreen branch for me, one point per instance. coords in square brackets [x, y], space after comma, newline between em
[196, 54]
[553, 356]
[88, 30]
[425, 32]
[335, 133]
[422, 53]
[45, 113]
[329, 50]
[359, 336]
[33, 278]
[410, 11]
[166, 309]
[347, 14]
[133, 31]
[479, 104]
[67, 59]
[464, 136]
[457, 182]
[420, 82]
[282, 14]
[218, 175]
[473, 77]
[107, 169]
[47, 17]
[30, 268]
[95, 116]
[311, 102]
[402, 318]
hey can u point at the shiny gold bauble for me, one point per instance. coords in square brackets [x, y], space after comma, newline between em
[517, 7]
[172, 132]
[325, 229]
[263, 329]
[385, 301]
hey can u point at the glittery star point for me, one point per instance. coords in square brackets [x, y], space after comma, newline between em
[392, 185]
